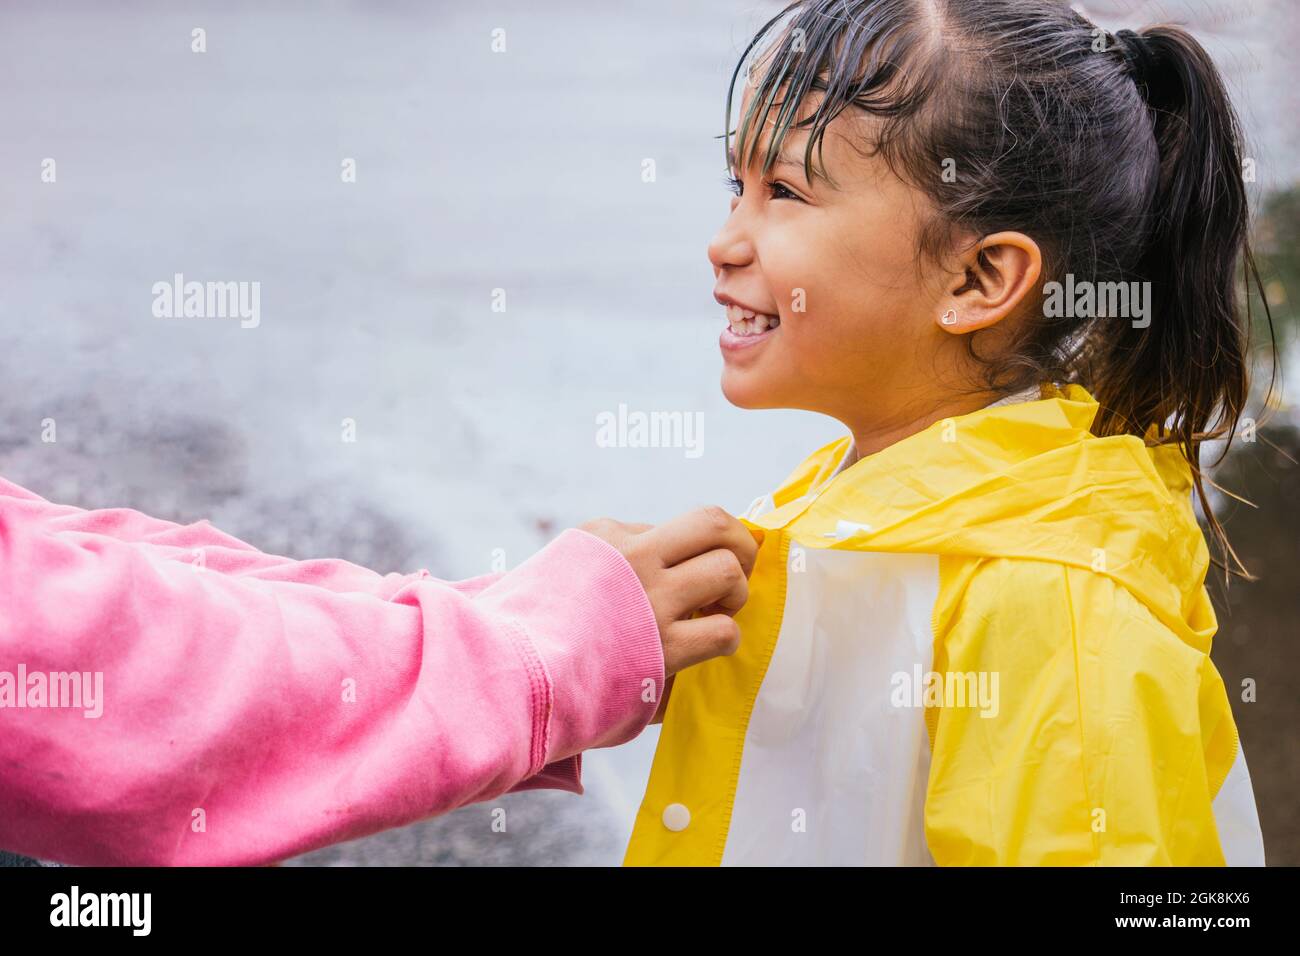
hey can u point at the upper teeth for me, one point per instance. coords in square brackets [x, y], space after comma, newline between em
[748, 322]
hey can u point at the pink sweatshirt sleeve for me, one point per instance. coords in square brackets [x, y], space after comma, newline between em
[253, 708]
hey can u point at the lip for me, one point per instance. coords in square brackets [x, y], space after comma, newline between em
[725, 300]
[729, 341]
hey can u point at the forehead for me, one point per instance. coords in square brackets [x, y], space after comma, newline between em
[772, 104]
[766, 110]
[838, 151]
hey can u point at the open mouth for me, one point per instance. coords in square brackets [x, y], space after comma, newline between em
[745, 323]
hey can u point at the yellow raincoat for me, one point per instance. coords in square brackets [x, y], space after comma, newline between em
[986, 644]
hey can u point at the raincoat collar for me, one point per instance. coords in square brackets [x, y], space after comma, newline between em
[1025, 480]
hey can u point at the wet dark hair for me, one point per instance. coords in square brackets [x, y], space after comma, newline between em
[1119, 155]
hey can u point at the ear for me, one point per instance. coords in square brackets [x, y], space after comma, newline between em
[1000, 273]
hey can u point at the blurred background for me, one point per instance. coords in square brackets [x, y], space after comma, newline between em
[475, 171]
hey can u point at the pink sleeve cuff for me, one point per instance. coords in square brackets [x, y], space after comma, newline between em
[594, 633]
[565, 774]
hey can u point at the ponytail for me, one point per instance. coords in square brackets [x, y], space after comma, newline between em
[1188, 370]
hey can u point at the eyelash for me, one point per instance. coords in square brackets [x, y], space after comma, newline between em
[737, 188]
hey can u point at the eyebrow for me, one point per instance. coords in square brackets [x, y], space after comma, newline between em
[782, 159]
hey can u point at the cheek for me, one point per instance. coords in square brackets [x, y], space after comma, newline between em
[829, 341]
[850, 339]
[845, 287]
[792, 273]
[861, 294]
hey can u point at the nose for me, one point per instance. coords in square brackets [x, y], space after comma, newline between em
[731, 245]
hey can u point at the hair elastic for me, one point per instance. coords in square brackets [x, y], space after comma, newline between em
[1138, 55]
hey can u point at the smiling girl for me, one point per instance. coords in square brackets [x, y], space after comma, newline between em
[978, 631]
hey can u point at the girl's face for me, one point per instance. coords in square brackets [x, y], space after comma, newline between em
[834, 268]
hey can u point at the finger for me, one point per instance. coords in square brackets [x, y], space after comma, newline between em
[715, 578]
[701, 531]
[691, 642]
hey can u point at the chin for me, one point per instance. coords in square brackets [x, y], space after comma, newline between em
[745, 391]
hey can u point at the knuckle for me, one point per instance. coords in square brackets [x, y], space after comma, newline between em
[729, 569]
[741, 591]
[727, 637]
[714, 570]
[601, 527]
[716, 518]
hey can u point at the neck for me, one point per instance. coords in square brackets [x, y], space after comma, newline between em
[871, 436]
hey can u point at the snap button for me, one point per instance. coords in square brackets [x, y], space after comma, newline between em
[676, 817]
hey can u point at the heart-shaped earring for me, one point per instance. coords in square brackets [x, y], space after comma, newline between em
[949, 317]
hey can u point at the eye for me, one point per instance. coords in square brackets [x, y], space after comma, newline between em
[781, 191]
[734, 184]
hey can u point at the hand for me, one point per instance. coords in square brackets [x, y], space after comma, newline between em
[699, 562]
